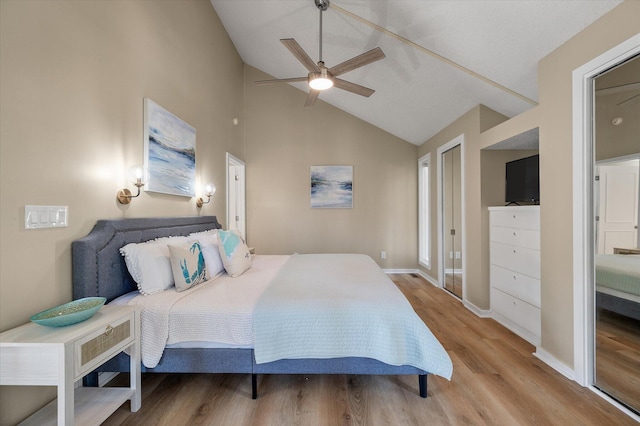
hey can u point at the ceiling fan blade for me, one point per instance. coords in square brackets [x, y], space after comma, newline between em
[352, 87]
[300, 54]
[357, 62]
[311, 98]
[282, 80]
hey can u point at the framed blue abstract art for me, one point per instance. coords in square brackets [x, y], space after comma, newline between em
[169, 152]
[332, 187]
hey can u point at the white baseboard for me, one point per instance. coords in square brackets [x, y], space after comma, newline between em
[482, 313]
[400, 271]
[554, 363]
[428, 277]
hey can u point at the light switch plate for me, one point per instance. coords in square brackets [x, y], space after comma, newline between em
[37, 217]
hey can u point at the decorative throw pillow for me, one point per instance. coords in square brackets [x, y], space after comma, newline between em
[234, 253]
[187, 263]
[202, 233]
[211, 252]
[149, 263]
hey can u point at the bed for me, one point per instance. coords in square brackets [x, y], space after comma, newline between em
[618, 283]
[100, 270]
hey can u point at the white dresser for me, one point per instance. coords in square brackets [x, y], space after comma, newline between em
[515, 269]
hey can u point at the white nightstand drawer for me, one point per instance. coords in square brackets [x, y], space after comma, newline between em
[94, 349]
[527, 238]
[519, 312]
[523, 260]
[521, 286]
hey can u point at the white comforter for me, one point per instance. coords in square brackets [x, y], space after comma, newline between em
[219, 310]
[342, 305]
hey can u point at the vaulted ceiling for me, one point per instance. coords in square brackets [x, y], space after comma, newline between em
[442, 57]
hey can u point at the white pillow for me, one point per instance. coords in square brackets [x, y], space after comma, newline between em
[234, 253]
[211, 252]
[149, 263]
[202, 233]
[187, 264]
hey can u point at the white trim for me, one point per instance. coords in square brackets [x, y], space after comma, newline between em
[554, 363]
[516, 328]
[424, 212]
[482, 313]
[400, 271]
[615, 403]
[459, 140]
[429, 278]
[231, 160]
[583, 304]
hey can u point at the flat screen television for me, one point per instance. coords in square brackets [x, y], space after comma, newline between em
[523, 181]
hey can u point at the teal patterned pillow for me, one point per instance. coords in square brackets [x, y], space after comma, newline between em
[187, 264]
[234, 253]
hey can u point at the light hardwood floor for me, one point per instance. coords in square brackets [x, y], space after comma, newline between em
[496, 381]
[618, 356]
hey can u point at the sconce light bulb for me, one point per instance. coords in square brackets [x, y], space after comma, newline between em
[209, 189]
[138, 175]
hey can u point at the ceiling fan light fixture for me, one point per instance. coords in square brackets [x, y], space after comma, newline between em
[321, 80]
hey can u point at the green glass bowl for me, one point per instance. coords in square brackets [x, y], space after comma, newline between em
[69, 313]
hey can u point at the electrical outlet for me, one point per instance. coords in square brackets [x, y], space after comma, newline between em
[458, 255]
[450, 255]
[383, 255]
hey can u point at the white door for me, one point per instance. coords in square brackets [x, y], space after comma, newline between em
[618, 207]
[236, 215]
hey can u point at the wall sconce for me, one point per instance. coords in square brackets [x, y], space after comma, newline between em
[137, 175]
[209, 190]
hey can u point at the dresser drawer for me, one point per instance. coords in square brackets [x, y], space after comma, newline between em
[526, 218]
[521, 286]
[519, 312]
[519, 259]
[527, 238]
[95, 348]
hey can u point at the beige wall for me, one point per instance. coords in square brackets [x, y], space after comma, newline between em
[472, 124]
[554, 118]
[73, 76]
[283, 139]
[554, 82]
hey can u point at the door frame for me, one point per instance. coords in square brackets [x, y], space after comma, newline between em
[236, 192]
[459, 140]
[583, 210]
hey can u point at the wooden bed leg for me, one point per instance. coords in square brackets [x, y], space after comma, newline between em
[254, 386]
[422, 380]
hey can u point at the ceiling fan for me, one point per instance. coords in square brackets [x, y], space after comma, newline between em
[320, 77]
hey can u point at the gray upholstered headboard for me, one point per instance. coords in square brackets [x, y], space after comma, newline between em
[98, 266]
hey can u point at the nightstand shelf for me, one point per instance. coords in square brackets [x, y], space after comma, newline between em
[34, 355]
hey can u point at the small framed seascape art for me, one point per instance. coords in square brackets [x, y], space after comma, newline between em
[331, 187]
[169, 152]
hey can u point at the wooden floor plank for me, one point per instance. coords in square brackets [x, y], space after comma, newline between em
[496, 381]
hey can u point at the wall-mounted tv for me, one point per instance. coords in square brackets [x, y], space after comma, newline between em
[523, 181]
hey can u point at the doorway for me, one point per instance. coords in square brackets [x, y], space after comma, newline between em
[236, 209]
[451, 216]
[586, 152]
[616, 251]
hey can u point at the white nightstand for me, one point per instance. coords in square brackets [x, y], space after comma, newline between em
[34, 355]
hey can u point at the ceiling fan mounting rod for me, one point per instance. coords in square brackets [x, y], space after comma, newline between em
[322, 5]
